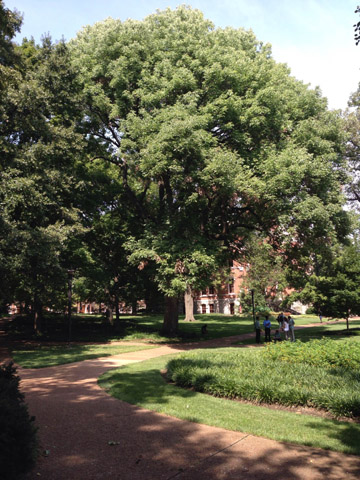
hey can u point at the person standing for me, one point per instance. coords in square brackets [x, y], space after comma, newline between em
[267, 328]
[286, 328]
[257, 330]
[291, 323]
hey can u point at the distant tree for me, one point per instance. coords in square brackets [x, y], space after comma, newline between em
[335, 289]
[352, 129]
[213, 140]
[265, 276]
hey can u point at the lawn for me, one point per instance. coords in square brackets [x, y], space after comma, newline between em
[142, 384]
[336, 330]
[94, 328]
[49, 356]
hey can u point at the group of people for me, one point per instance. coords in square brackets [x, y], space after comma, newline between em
[286, 325]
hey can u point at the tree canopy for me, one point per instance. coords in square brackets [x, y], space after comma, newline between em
[152, 152]
[213, 139]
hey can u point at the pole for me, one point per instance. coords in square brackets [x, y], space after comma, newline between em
[253, 305]
[70, 278]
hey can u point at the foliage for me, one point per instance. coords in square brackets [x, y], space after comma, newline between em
[325, 353]
[265, 276]
[264, 379]
[40, 181]
[352, 129]
[18, 443]
[335, 289]
[357, 28]
[213, 140]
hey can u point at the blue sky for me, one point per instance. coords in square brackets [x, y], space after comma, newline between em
[314, 37]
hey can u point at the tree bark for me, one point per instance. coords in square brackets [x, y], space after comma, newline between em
[117, 311]
[189, 305]
[134, 307]
[37, 314]
[171, 316]
[109, 315]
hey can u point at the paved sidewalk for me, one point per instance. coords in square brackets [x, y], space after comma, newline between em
[89, 435]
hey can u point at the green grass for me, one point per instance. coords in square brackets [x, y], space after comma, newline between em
[94, 328]
[142, 384]
[336, 330]
[49, 356]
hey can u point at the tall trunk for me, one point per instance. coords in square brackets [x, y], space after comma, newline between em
[171, 316]
[134, 307]
[189, 305]
[37, 315]
[117, 311]
[109, 315]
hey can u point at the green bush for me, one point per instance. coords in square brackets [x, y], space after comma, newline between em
[18, 444]
[314, 374]
[326, 353]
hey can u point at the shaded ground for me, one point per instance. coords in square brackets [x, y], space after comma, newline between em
[86, 434]
[90, 435]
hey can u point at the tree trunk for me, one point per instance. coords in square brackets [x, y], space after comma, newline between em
[134, 307]
[171, 316]
[117, 311]
[37, 314]
[189, 305]
[109, 315]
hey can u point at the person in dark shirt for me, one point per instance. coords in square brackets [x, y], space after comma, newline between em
[267, 328]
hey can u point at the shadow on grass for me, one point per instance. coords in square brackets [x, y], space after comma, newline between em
[139, 387]
[347, 433]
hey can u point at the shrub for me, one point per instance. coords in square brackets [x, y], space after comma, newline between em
[322, 374]
[18, 444]
[325, 353]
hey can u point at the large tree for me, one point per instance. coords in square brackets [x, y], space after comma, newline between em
[41, 180]
[213, 140]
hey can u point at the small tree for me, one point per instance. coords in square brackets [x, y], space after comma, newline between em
[336, 289]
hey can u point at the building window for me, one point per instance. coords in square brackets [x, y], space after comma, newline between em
[212, 310]
[231, 286]
[211, 291]
[203, 292]
[203, 308]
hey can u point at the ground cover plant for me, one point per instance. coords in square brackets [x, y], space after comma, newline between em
[320, 374]
[143, 384]
[48, 356]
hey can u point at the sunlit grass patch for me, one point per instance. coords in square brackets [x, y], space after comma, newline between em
[48, 356]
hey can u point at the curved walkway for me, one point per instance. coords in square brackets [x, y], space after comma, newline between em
[86, 434]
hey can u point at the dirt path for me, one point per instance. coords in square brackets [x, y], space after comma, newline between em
[90, 435]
